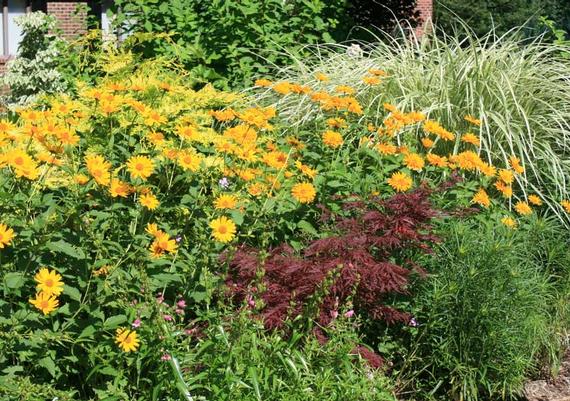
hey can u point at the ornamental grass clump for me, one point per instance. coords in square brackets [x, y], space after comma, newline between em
[486, 316]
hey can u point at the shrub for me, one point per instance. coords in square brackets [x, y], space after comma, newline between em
[362, 263]
[518, 92]
[237, 359]
[35, 68]
[226, 40]
[483, 316]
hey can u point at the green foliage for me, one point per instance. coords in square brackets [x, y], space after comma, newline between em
[225, 40]
[557, 35]
[484, 315]
[499, 16]
[236, 359]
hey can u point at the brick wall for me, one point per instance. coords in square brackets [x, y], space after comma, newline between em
[3, 61]
[71, 15]
[425, 7]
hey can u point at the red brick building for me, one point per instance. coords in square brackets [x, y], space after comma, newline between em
[72, 17]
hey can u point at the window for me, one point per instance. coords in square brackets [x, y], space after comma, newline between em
[11, 33]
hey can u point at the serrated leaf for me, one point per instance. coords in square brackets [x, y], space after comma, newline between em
[114, 321]
[307, 227]
[72, 292]
[66, 248]
[87, 332]
[237, 217]
[49, 364]
[14, 280]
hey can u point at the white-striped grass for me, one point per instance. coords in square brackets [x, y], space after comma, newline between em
[520, 89]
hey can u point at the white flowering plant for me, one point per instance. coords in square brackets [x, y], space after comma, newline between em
[35, 69]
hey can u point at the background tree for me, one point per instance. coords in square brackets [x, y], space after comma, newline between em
[501, 15]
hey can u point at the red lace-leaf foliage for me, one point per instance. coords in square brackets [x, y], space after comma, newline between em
[358, 262]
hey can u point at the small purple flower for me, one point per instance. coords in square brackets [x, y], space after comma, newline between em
[136, 323]
[165, 357]
[181, 304]
[168, 318]
[224, 183]
[178, 238]
[334, 314]
[349, 314]
[413, 322]
[179, 311]
[250, 301]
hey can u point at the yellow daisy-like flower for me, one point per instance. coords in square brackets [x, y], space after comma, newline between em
[263, 83]
[436, 160]
[44, 302]
[149, 201]
[509, 222]
[471, 138]
[371, 80]
[427, 142]
[414, 161]
[119, 188]
[523, 208]
[332, 139]
[535, 200]
[304, 192]
[6, 235]
[127, 339]
[98, 167]
[80, 179]
[152, 229]
[506, 176]
[566, 205]
[140, 167]
[256, 189]
[347, 90]
[188, 132]
[189, 160]
[400, 181]
[162, 243]
[321, 77]
[515, 163]
[49, 282]
[481, 198]
[472, 120]
[386, 148]
[487, 169]
[223, 229]
[225, 202]
[505, 189]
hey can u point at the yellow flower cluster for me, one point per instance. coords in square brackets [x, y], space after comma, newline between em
[388, 137]
[49, 287]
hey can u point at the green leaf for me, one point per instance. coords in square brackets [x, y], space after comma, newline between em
[237, 217]
[14, 280]
[87, 332]
[307, 227]
[66, 248]
[335, 184]
[114, 321]
[49, 364]
[72, 292]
